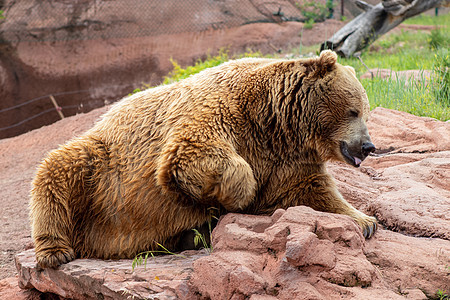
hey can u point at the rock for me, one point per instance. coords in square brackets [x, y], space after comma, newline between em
[164, 277]
[306, 252]
[297, 253]
[407, 76]
[399, 132]
[409, 263]
[317, 256]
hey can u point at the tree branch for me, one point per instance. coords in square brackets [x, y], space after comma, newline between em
[374, 22]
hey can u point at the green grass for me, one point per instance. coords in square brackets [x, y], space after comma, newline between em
[442, 295]
[426, 19]
[179, 73]
[410, 96]
[141, 258]
[407, 50]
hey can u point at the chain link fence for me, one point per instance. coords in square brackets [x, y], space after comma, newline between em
[36, 20]
[70, 49]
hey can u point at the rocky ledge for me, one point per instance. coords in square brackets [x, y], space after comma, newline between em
[297, 253]
[294, 254]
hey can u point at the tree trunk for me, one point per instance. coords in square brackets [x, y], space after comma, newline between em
[375, 21]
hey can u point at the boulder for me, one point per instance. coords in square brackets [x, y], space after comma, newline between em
[296, 253]
[304, 254]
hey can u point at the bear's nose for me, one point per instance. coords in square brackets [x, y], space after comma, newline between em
[367, 148]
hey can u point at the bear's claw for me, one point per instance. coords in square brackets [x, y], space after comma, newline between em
[369, 230]
[367, 224]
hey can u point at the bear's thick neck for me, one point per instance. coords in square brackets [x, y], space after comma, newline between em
[284, 116]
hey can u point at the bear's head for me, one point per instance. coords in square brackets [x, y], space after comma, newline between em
[341, 107]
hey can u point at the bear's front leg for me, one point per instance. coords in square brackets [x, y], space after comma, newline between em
[208, 173]
[316, 190]
[323, 195]
[367, 223]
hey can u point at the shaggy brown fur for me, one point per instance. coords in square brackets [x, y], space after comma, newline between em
[249, 136]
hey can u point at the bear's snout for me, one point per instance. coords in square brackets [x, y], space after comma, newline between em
[367, 148]
[355, 153]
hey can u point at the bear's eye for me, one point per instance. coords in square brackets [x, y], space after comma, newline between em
[353, 113]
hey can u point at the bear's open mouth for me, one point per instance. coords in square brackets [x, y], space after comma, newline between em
[349, 158]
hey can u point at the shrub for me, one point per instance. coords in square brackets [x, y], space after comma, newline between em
[309, 24]
[178, 73]
[316, 11]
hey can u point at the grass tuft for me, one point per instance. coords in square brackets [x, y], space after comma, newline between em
[141, 258]
[442, 295]
[178, 73]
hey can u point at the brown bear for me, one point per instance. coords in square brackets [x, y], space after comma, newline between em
[249, 136]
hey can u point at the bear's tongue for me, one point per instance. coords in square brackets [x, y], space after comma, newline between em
[357, 160]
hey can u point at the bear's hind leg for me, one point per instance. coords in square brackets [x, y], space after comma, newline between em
[50, 212]
[52, 251]
[50, 233]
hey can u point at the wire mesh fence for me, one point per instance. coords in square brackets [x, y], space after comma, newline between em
[66, 24]
[45, 107]
[105, 19]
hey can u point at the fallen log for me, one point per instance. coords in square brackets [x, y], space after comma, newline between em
[375, 21]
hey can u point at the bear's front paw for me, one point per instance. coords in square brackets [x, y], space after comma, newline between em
[368, 225]
[54, 257]
[238, 185]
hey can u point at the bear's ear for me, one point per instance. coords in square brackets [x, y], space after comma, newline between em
[327, 59]
[351, 70]
[318, 67]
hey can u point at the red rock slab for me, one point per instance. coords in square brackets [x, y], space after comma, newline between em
[163, 277]
[297, 253]
[396, 131]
